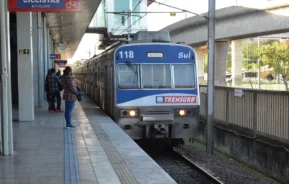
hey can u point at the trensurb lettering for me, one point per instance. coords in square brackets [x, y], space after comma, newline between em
[175, 99]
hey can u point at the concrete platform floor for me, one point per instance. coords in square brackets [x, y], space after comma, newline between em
[96, 151]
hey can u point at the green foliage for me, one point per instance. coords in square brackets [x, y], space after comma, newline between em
[229, 61]
[206, 63]
[250, 54]
[75, 64]
[276, 56]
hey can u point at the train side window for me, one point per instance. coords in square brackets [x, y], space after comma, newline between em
[184, 75]
[128, 76]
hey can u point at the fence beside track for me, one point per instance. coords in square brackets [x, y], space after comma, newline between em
[263, 112]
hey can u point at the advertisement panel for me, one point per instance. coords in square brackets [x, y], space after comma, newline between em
[44, 5]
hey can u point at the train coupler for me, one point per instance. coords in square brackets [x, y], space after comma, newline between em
[159, 131]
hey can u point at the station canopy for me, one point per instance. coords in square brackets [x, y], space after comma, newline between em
[69, 27]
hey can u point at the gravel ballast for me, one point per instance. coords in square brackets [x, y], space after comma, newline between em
[226, 169]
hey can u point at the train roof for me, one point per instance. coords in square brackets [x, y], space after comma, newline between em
[139, 37]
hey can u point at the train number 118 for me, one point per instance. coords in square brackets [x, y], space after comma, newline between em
[126, 54]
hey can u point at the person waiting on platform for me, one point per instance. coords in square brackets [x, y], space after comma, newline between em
[58, 74]
[54, 83]
[48, 98]
[69, 95]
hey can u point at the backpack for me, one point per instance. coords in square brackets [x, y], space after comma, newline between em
[79, 93]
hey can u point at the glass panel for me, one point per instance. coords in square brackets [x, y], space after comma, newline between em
[156, 76]
[120, 6]
[128, 76]
[184, 76]
[136, 16]
[99, 17]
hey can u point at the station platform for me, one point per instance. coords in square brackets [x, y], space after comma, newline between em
[97, 151]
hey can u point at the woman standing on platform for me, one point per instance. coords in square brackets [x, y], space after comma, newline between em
[69, 95]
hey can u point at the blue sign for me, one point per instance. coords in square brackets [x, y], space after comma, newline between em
[54, 56]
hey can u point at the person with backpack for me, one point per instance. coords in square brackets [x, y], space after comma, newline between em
[54, 89]
[69, 95]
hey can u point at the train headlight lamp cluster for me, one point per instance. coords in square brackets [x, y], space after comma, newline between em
[185, 112]
[130, 113]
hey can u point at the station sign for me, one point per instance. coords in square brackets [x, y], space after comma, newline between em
[55, 56]
[44, 5]
[24, 51]
[60, 62]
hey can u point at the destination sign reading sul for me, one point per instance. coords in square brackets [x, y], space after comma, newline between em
[44, 5]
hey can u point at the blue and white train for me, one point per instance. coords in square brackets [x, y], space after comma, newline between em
[148, 86]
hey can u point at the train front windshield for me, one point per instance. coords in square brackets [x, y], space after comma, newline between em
[156, 76]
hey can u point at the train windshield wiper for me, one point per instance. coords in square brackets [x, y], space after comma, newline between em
[135, 72]
[131, 67]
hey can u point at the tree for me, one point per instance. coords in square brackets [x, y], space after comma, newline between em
[276, 56]
[206, 63]
[75, 64]
[229, 61]
[250, 54]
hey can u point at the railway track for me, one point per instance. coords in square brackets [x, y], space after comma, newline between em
[196, 166]
[180, 168]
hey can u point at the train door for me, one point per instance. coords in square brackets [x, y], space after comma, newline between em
[85, 81]
[111, 90]
[90, 82]
[105, 96]
[95, 84]
[98, 86]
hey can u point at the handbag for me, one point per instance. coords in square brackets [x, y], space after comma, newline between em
[79, 93]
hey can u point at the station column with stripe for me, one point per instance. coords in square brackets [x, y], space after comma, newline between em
[25, 67]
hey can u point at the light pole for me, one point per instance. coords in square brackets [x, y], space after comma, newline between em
[211, 76]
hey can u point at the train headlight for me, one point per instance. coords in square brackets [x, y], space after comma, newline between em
[132, 113]
[182, 112]
[129, 113]
[124, 113]
[190, 112]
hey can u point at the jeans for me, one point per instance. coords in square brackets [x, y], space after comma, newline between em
[48, 98]
[57, 96]
[68, 111]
